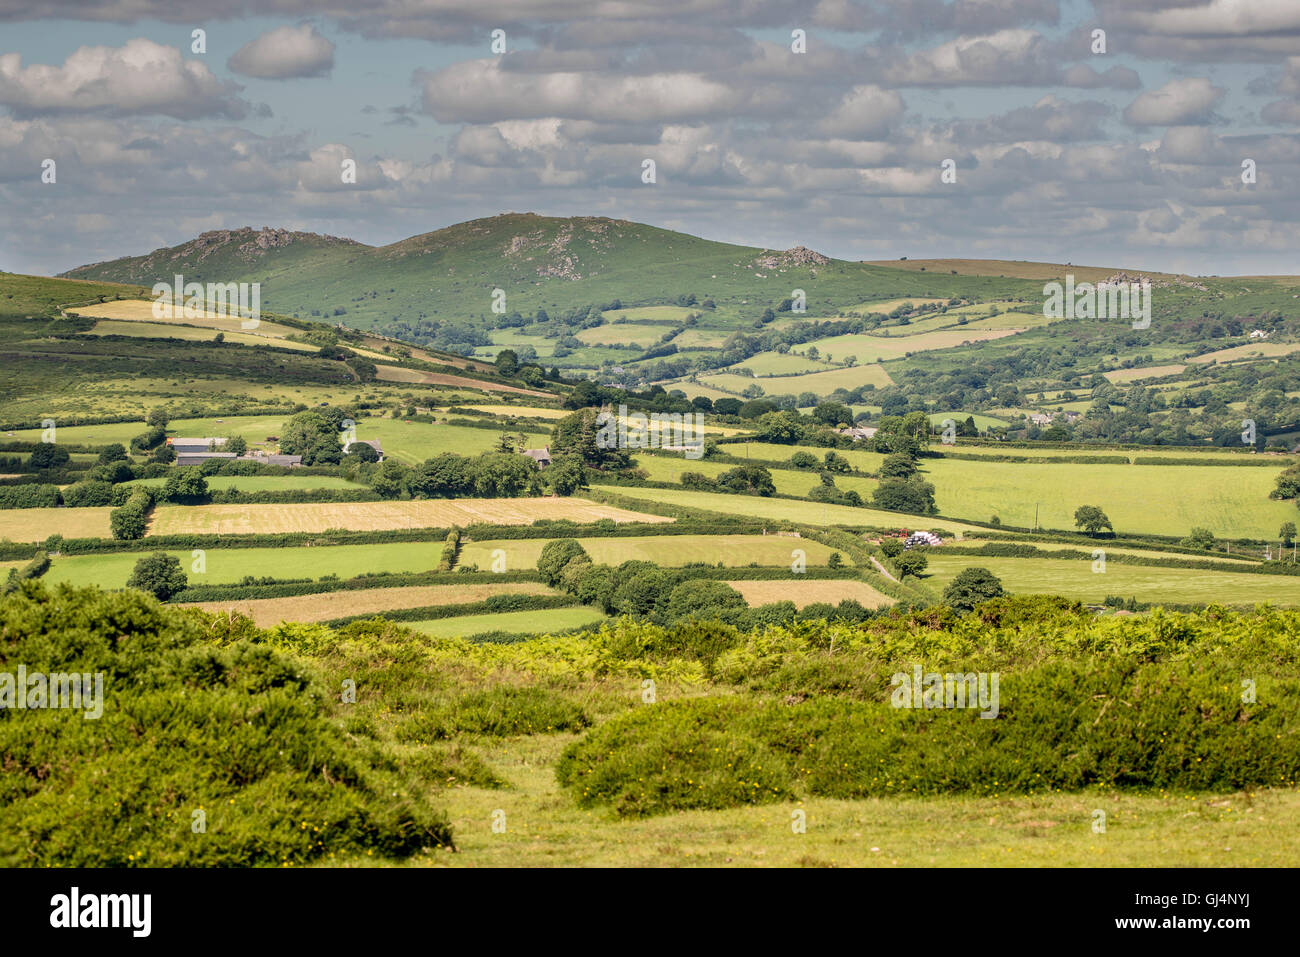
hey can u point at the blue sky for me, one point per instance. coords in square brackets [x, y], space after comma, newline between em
[1131, 158]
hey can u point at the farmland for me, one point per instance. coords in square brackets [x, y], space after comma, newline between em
[668, 550]
[340, 604]
[377, 516]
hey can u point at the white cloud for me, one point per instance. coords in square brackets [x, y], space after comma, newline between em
[865, 113]
[283, 53]
[1184, 101]
[139, 77]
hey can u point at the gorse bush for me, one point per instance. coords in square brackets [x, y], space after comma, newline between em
[239, 732]
[1062, 726]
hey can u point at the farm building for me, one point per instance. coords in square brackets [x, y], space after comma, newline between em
[198, 458]
[541, 456]
[1040, 418]
[196, 446]
[859, 433]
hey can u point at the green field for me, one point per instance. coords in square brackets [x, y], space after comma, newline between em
[539, 622]
[1231, 501]
[666, 550]
[791, 510]
[668, 468]
[228, 565]
[1076, 579]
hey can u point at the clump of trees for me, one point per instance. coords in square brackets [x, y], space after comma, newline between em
[159, 574]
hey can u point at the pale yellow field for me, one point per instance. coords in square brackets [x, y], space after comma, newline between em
[1150, 372]
[809, 591]
[141, 310]
[1254, 350]
[370, 516]
[665, 550]
[524, 410]
[340, 604]
[171, 330]
[38, 524]
[637, 335]
[400, 374]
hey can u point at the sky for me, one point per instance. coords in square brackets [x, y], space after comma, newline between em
[1149, 134]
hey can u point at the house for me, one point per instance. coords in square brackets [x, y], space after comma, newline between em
[1040, 419]
[373, 443]
[1258, 334]
[541, 456]
[1071, 415]
[859, 433]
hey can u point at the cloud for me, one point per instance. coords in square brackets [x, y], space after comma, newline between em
[1204, 30]
[865, 113]
[284, 53]
[1180, 102]
[480, 91]
[137, 78]
[1116, 78]
[1005, 58]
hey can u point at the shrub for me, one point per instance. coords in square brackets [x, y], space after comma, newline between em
[240, 732]
[970, 586]
[132, 519]
[159, 574]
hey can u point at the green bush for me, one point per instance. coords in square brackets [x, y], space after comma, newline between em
[241, 733]
[502, 711]
[1062, 726]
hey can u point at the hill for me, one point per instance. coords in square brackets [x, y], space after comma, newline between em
[539, 262]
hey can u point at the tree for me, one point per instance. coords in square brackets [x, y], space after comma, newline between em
[579, 435]
[910, 563]
[157, 418]
[971, 586]
[803, 460]
[897, 465]
[751, 479]
[834, 462]
[47, 455]
[833, 413]
[112, 453]
[504, 475]
[164, 454]
[835, 561]
[363, 452]
[1091, 519]
[185, 485]
[556, 554]
[700, 597]
[159, 574]
[913, 495]
[565, 475]
[1287, 533]
[507, 362]
[892, 547]
[1200, 538]
[446, 475]
[236, 444]
[314, 436]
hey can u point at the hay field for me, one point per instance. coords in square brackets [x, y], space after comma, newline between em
[1253, 350]
[340, 604]
[38, 524]
[532, 622]
[810, 591]
[869, 348]
[371, 516]
[419, 377]
[1150, 372]
[165, 330]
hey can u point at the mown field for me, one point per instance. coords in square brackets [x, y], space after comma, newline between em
[808, 592]
[376, 516]
[341, 604]
[513, 622]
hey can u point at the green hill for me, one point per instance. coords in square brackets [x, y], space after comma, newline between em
[539, 262]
